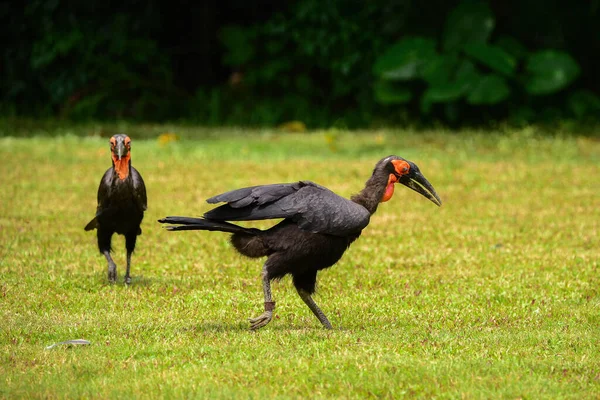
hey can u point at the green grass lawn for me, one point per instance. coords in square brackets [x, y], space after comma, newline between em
[493, 295]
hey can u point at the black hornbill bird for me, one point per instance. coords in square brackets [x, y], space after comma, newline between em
[317, 228]
[121, 204]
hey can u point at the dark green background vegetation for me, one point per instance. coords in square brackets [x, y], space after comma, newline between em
[345, 63]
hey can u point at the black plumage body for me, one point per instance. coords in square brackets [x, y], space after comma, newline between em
[121, 204]
[317, 228]
[294, 251]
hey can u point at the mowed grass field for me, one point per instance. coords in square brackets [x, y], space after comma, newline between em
[493, 295]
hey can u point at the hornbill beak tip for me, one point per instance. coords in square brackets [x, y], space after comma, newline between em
[417, 182]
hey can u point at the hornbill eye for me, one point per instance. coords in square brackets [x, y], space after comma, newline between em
[401, 167]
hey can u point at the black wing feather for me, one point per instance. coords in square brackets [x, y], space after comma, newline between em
[258, 195]
[104, 192]
[139, 190]
[313, 207]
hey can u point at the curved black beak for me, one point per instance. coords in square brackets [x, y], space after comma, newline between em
[417, 182]
[120, 149]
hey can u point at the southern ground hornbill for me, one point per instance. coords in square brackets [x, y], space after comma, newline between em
[317, 228]
[121, 204]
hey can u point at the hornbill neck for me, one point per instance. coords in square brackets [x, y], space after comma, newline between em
[123, 166]
[371, 195]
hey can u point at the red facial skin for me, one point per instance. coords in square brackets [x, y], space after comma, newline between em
[402, 168]
[122, 165]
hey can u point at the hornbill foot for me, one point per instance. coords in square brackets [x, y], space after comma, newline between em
[264, 318]
[326, 323]
[260, 321]
[128, 280]
[112, 273]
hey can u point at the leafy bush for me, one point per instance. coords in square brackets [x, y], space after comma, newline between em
[89, 67]
[463, 69]
[307, 62]
[335, 63]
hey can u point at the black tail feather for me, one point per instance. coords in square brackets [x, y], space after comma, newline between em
[93, 224]
[201, 224]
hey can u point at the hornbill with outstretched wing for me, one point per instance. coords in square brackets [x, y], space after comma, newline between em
[317, 227]
[121, 204]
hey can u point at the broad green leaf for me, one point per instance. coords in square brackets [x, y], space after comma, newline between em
[443, 93]
[404, 60]
[440, 68]
[583, 103]
[550, 71]
[446, 92]
[467, 71]
[391, 93]
[469, 22]
[467, 74]
[493, 57]
[464, 77]
[512, 46]
[490, 89]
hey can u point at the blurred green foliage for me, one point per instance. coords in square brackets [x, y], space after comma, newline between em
[75, 63]
[337, 63]
[465, 70]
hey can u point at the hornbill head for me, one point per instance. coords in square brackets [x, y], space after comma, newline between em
[120, 146]
[408, 174]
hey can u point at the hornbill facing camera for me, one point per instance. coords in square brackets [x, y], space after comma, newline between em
[121, 204]
[317, 228]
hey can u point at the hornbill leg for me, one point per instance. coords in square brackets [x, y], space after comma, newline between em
[112, 267]
[306, 297]
[264, 318]
[104, 238]
[127, 277]
[130, 240]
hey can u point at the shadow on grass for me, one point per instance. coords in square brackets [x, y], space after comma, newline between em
[99, 280]
[215, 326]
[242, 326]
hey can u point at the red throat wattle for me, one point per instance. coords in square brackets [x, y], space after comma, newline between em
[389, 189]
[122, 165]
